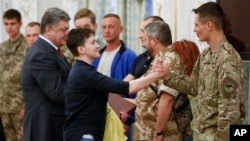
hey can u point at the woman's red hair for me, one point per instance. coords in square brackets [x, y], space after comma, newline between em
[188, 52]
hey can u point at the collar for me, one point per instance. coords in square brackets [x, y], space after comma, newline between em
[47, 40]
[121, 50]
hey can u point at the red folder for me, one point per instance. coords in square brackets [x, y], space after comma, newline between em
[118, 104]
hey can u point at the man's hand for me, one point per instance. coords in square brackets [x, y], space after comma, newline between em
[161, 67]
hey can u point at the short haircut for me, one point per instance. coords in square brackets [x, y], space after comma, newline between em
[78, 37]
[112, 15]
[154, 18]
[161, 31]
[211, 11]
[85, 12]
[32, 24]
[12, 14]
[189, 52]
[52, 17]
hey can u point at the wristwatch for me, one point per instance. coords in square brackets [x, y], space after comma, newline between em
[157, 133]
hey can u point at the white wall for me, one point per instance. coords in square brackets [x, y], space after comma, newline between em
[31, 10]
[4, 5]
[178, 14]
[43, 5]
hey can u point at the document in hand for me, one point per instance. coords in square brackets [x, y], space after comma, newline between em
[118, 104]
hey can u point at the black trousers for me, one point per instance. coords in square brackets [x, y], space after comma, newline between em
[2, 135]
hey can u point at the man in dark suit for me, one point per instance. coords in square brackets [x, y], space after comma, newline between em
[44, 74]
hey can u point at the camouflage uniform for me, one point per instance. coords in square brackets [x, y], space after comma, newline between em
[69, 56]
[218, 79]
[147, 103]
[12, 55]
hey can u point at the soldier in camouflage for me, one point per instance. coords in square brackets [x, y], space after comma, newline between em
[12, 53]
[155, 119]
[69, 56]
[217, 79]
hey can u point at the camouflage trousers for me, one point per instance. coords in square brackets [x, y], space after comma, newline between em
[174, 136]
[210, 134]
[12, 126]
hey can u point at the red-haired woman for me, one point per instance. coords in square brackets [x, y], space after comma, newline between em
[189, 52]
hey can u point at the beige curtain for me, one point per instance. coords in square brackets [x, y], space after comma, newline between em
[131, 12]
[178, 14]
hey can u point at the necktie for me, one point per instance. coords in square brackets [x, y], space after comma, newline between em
[60, 52]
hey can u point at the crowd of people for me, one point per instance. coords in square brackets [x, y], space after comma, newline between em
[55, 81]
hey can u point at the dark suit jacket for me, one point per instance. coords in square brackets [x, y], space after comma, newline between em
[44, 74]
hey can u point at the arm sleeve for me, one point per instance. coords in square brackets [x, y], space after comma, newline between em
[184, 83]
[231, 94]
[177, 67]
[105, 84]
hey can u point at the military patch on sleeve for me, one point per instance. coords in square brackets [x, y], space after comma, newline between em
[228, 86]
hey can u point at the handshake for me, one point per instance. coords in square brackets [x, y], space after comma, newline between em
[161, 68]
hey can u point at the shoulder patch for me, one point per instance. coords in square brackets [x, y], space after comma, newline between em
[228, 86]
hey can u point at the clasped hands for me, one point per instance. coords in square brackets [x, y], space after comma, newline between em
[162, 68]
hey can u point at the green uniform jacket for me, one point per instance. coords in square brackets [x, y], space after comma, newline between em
[12, 55]
[218, 81]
